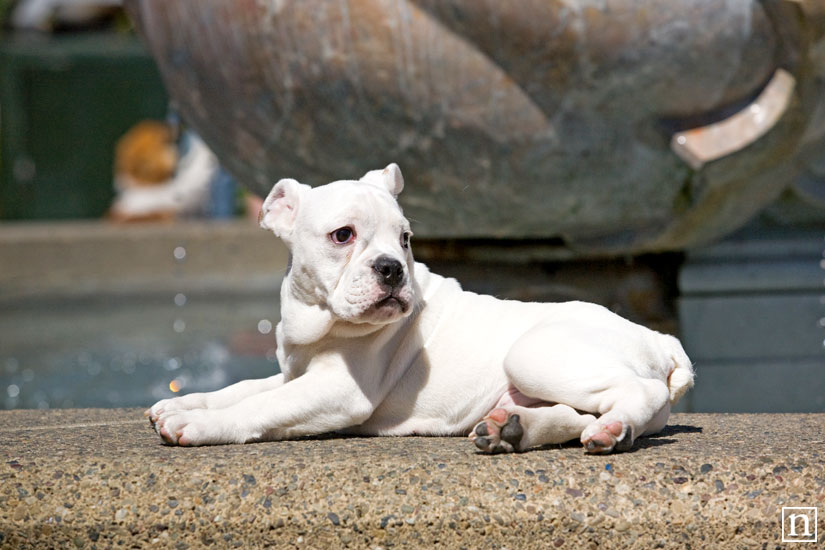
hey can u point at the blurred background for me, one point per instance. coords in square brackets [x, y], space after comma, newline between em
[666, 160]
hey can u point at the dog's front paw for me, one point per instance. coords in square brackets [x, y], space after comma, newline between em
[174, 404]
[603, 438]
[192, 428]
[499, 432]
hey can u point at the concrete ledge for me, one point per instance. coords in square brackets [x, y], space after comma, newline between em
[99, 479]
[43, 259]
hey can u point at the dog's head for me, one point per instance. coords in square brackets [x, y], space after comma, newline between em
[349, 245]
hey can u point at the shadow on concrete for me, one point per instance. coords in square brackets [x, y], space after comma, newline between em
[645, 442]
[673, 429]
[663, 437]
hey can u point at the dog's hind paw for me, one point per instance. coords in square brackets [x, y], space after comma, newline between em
[499, 432]
[606, 438]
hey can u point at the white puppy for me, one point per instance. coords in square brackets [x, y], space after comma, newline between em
[372, 343]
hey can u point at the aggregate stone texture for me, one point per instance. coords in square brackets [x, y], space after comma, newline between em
[100, 478]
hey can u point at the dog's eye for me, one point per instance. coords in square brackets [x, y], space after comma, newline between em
[343, 235]
[405, 239]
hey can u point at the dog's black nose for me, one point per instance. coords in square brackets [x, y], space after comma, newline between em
[389, 269]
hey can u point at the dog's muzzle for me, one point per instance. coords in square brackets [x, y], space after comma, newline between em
[390, 271]
[392, 278]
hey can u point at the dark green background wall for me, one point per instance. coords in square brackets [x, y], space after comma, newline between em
[64, 102]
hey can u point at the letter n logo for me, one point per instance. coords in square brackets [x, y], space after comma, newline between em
[799, 524]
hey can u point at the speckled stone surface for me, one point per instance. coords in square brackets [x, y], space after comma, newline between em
[101, 479]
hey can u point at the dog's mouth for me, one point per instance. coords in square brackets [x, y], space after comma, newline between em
[391, 301]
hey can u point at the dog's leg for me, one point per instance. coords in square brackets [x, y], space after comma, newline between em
[597, 371]
[317, 402]
[515, 428]
[219, 399]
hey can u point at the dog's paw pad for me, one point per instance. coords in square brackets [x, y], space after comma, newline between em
[498, 432]
[608, 438]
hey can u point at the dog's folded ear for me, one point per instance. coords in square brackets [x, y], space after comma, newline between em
[280, 207]
[389, 178]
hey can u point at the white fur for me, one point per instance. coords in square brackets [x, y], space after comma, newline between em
[436, 367]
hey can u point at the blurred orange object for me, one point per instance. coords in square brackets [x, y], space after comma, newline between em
[153, 181]
[146, 154]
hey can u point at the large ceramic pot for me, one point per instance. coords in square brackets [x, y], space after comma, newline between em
[604, 127]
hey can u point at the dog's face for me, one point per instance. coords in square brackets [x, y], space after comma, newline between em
[350, 245]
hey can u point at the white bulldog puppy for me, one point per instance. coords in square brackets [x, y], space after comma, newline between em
[371, 342]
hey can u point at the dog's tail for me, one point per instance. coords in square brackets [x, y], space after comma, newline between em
[680, 379]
